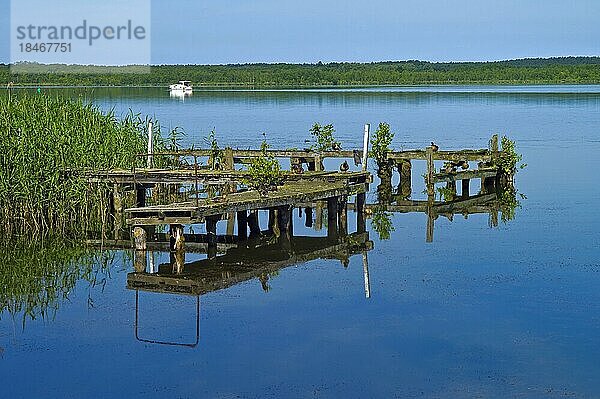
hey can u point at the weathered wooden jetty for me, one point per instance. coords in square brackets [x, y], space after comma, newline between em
[207, 193]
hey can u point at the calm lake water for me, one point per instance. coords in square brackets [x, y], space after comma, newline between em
[508, 311]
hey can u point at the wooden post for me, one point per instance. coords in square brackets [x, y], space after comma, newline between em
[465, 183]
[451, 186]
[284, 216]
[494, 218]
[318, 163]
[308, 215]
[405, 170]
[150, 145]
[177, 240]
[494, 144]
[430, 173]
[332, 214]
[253, 224]
[343, 215]
[361, 226]
[211, 235]
[365, 260]
[177, 260]
[140, 196]
[228, 159]
[291, 222]
[139, 238]
[365, 155]
[230, 223]
[242, 225]
[272, 221]
[319, 216]
[139, 261]
[430, 224]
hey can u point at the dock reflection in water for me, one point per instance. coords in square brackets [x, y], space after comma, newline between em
[262, 257]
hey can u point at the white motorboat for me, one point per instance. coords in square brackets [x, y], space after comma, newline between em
[183, 87]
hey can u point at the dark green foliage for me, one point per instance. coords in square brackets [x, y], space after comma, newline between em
[381, 144]
[509, 158]
[323, 138]
[573, 70]
[265, 172]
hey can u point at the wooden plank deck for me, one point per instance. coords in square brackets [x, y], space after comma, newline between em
[205, 176]
[290, 193]
[456, 155]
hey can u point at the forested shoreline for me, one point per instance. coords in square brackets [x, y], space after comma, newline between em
[564, 70]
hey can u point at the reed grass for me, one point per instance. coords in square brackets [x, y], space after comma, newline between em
[45, 142]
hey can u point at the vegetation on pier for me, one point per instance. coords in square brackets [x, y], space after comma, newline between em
[44, 143]
[322, 138]
[265, 172]
[380, 146]
[509, 159]
[565, 70]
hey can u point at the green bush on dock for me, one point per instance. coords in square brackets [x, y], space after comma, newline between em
[265, 172]
[381, 144]
[509, 158]
[45, 144]
[323, 138]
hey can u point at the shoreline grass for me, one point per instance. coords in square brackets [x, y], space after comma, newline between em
[42, 140]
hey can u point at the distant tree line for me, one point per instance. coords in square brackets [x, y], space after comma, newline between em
[565, 70]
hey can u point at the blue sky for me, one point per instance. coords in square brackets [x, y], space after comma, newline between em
[237, 31]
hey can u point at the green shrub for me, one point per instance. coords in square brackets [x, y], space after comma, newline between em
[323, 138]
[381, 144]
[265, 172]
[509, 158]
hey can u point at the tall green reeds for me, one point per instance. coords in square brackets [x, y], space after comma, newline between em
[45, 144]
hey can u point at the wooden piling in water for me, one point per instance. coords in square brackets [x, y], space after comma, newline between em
[211, 235]
[308, 217]
[465, 188]
[430, 173]
[139, 238]
[332, 215]
[343, 216]
[140, 196]
[430, 224]
[242, 225]
[284, 220]
[177, 239]
[405, 170]
[361, 225]
[253, 224]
